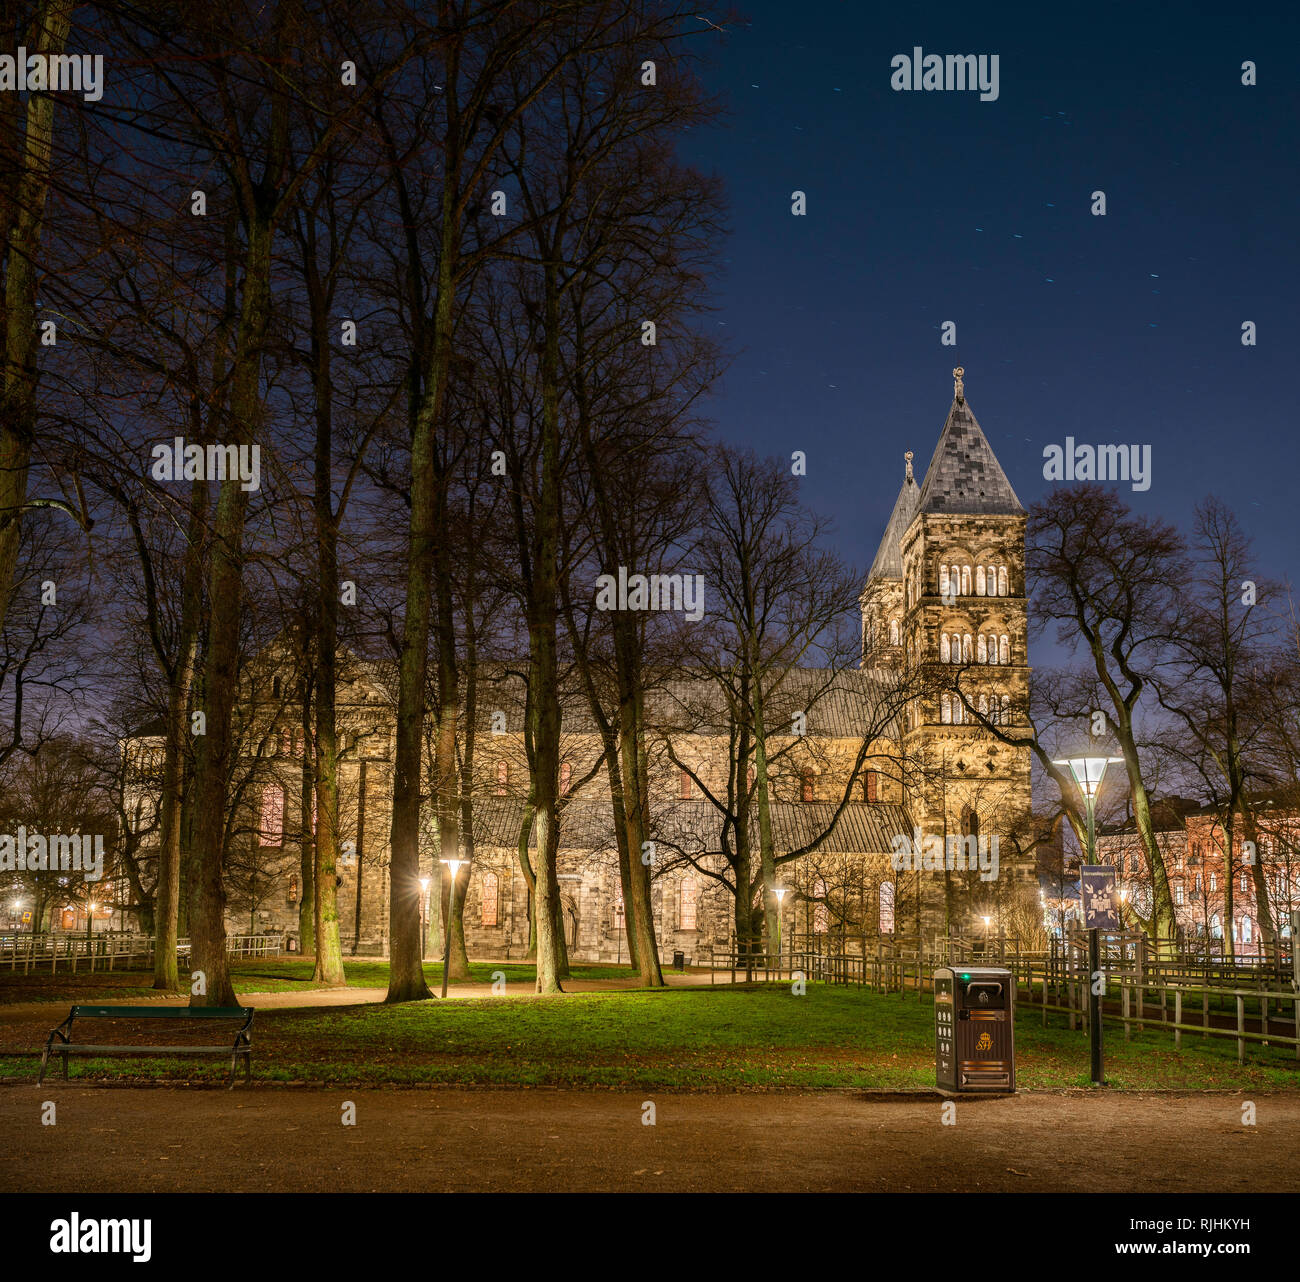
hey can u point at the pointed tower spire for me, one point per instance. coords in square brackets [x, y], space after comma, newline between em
[889, 558]
[964, 475]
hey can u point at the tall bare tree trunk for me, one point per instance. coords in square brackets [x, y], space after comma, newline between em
[23, 217]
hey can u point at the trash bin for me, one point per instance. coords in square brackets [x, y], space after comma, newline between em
[679, 960]
[974, 1029]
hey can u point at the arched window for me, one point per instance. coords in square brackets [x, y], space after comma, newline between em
[293, 889]
[566, 778]
[979, 580]
[984, 701]
[821, 913]
[893, 632]
[983, 651]
[966, 648]
[503, 777]
[993, 580]
[684, 785]
[945, 710]
[686, 915]
[943, 580]
[1002, 580]
[887, 908]
[270, 820]
[958, 710]
[806, 790]
[870, 786]
[1006, 709]
[1004, 649]
[1246, 935]
[491, 913]
[945, 651]
[1216, 929]
[1178, 892]
[1214, 881]
[965, 580]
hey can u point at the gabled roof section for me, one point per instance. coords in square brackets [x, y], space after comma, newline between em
[964, 475]
[889, 558]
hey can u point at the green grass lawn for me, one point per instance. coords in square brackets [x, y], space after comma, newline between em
[700, 1039]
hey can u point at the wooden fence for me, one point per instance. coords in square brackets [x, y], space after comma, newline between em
[109, 949]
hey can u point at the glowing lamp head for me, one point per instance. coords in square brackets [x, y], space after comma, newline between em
[1088, 772]
[779, 892]
[424, 885]
[455, 866]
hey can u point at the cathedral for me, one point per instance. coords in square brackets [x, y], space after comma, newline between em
[888, 756]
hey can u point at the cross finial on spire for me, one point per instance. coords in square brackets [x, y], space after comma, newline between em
[957, 382]
[907, 460]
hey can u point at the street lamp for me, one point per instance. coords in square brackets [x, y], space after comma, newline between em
[779, 892]
[1088, 773]
[987, 920]
[424, 899]
[454, 865]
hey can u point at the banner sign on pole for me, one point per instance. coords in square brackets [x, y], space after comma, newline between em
[1097, 890]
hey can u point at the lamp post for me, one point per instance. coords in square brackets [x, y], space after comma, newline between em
[987, 920]
[424, 899]
[454, 865]
[1088, 773]
[779, 892]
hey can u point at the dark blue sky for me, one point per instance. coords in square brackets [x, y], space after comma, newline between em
[925, 207]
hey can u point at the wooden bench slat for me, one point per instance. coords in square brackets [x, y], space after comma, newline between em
[161, 1012]
[80, 1048]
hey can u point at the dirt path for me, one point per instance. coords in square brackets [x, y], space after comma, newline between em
[112, 1140]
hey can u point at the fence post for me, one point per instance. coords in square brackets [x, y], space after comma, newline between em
[1205, 1011]
[1241, 1028]
[1124, 1005]
[1178, 1018]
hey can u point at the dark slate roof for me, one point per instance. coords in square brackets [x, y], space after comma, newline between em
[964, 475]
[889, 558]
[864, 828]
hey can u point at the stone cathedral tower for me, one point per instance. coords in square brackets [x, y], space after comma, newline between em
[946, 595]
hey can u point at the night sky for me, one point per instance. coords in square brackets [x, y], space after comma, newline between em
[926, 207]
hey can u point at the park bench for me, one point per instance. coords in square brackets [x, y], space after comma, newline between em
[242, 1044]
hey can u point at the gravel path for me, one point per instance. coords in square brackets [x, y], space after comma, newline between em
[170, 1139]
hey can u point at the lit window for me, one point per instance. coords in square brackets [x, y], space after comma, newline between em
[1178, 892]
[1006, 709]
[870, 787]
[945, 708]
[821, 913]
[1004, 649]
[491, 891]
[982, 652]
[979, 580]
[945, 651]
[1002, 580]
[270, 820]
[966, 648]
[684, 785]
[806, 786]
[293, 889]
[887, 908]
[689, 888]
[1214, 881]
[620, 915]
[503, 778]
[893, 632]
[566, 777]
[984, 702]
[965, 580]
[943, 580]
